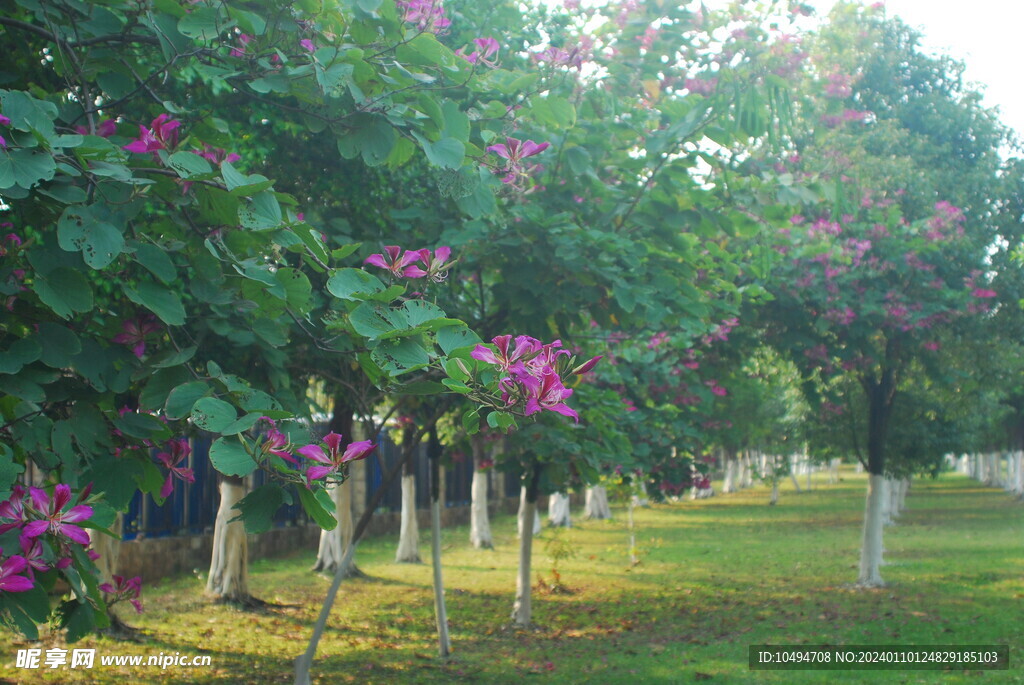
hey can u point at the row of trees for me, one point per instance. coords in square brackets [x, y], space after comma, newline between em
[231, 217]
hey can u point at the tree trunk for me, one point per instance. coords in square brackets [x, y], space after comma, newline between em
[523, 516]
[109, 548]
[334, 543]
[597, 503]
[479, 518]
[1018, 487]
[747, 481]
[444, 645]
[409, 535]
[633, 558]
[833, 471]
[229, 567]
[775, 491]
[558, 510]
[521, 609]
[871, 546]
[793, 465]
[729, 485]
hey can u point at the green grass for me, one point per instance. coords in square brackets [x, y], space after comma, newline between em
[716, 576]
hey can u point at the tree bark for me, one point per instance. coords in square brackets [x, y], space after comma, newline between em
[479, 518]
[729, 484]
[229, 566]
[334, 543]
[522, 610]
[597, 503]
[558, 510]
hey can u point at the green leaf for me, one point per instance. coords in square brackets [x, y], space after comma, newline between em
[230, 458]
[212, 414]
[453, 337]
[447, 153]
[257, 509]
[154, 258]
[323, 518]
[9, 472]
[117, 479]
[554, 112]
[471, 421]
[241, 425]
[353, 284]
[182, 398]
[59, 345]
[188, 164]
[79, 230]
[401, 356]
[175, 358]
[159, 300]
[160, 384]
[22, 351]
[201, 23]
[65, 291]
[298, 290]
[260, 212]
[25, 168]
[456, 386]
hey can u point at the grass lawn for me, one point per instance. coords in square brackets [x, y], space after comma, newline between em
[716, 576]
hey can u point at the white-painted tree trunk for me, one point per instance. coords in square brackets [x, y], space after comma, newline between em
[597, 506]
[775, 492]
[890, 507]
[334, 543]
[1018, 487]
[479, 518]
[527, 514]
[558, 510]
[729, 481]
[833, 471]
[793, 467]
[747, 479]
[871, 542]
[858, 467]
[634, 559]
[409, 534]
[229, 565]
[521, 609]
[440, 612]
[109, 548]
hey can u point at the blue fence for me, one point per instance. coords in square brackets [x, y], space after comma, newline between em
[192, 508]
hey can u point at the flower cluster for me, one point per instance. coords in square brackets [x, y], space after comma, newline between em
[162, 134]
[427, 15]
[403, 265]
[123, 589]
[534, 373]
[35, 513]
[487, 48]
[176, 452]
[515, 151]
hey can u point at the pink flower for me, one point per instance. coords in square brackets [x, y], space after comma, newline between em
[217, 155]
[53, 517]
[307, 45]
[179, 450]
[547, 392]
[13, 508]
[10, 580]
[524, 347]
[983, 292]
[105, 129]
[437, 263]
[243, 40]
[488, 48]
[399, 266]
[122, 589]
[515, 151]
[334, 458]
[161, 135]
[275, 443]
[427, 15]
[134, 333]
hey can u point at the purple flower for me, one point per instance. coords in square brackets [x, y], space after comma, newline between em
[162, 134]
[427, 15]
[32, 550]
[54, 518]
[437, 263]
[275, 443]
[399, 266]
[547, 392]
[488, 48]
[334, 458]
[243, 40]
[134, 333]
[515, 151]
[122, 589]
[10, 581]
[307, 45]
[13, 508]
[106, 128]
[506, 358]
[217, 155]
[179, 450]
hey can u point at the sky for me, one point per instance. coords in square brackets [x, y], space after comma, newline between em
[984, 34]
